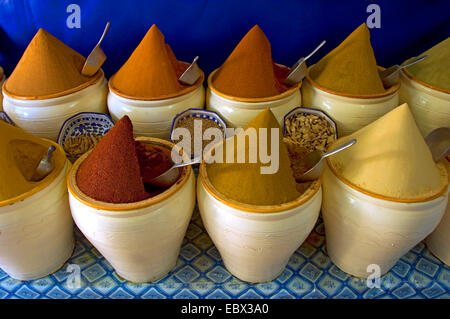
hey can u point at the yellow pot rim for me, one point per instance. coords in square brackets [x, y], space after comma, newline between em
[284, 94]
[409, 75]
[186, 90]
[379, 196]
[94, 79]
[280, 208]
[105, 206]
[48, 180]
[393, 89]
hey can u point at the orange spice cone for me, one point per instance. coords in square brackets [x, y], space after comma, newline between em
[48, 68]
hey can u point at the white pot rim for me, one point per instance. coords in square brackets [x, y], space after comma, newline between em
[52, 101]
[126, 209]
[445, 94]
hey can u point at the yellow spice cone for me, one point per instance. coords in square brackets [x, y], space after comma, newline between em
[243, 182]
[351, 67]
[391, 159]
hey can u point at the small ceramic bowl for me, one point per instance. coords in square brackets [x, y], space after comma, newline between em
[141, 240]
[237, 112]
[44, 117]
[350, 112]
[429, 104]
[201, 114]
[308, 111]
[84, 123]
[154, 117]
[256, 242]
[438, 242]
[36, 237]
[365, 229]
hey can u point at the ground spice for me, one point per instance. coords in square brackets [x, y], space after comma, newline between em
[249, 71]
[111, 172]
[78, 145]
[47, 66]
[243, 182]
[391, 159]
[152, 70]
[435, 69]
[188, 123]
[351, 67]
[20, 154]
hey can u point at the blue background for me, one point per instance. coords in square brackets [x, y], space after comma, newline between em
[211, 29]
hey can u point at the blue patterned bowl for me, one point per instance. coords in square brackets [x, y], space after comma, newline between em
[85, 123]
[6, 118]
[308, 111]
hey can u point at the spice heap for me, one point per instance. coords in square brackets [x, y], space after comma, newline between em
[351, 67]
[151, 72]
[243, 182]
[391, 159]
[20, 154]
[435, 69]
[48, 67]
[189, 124]
[249, 71]
[306, 133]
[118, 167]
[78, 145]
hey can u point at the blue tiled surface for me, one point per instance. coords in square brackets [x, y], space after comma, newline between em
[200, 273]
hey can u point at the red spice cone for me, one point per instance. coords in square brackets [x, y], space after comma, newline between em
[111, 172]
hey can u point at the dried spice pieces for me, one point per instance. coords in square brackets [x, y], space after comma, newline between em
[391, 159]
[310, 131]
[48, 67]
[78, 145]
[111, 172]
[151, 72]
[351, 67]
[249, 71]
[20, 153]
[243, 182]
[189, 122]
[435, 69]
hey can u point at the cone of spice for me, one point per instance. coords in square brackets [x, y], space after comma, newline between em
[435, 69]
[20, 154]
[391, 159]
[152, 71]
[118, 168]
[351, 68]
[249, 71]
[48, 68]
[243, 182]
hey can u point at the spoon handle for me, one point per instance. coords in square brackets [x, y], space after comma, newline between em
[50, 151]
[413, 62]
[340, 148]
[316, 49]
[194, 161]
[104, 33]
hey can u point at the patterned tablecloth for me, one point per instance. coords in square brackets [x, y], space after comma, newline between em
[200, 273]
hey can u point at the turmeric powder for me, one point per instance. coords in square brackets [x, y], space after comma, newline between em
[351, 67]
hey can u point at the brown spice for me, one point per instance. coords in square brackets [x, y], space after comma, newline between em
[189, 122]
[78, 145]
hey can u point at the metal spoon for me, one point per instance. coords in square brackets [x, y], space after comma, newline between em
[192, 73]
[299, 69]
[439, 143]
[45, 166]
[96, 58]
[171, 175]
[390, 76]
[314, 161]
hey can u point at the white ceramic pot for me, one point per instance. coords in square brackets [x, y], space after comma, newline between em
[237, 112]
[1, 95]
[350, 112]
[439, 241]
[362, 230]
[44, 117]
[430, 105]
[256, 242]
[154, 117]
[36, 233]
[141, 240]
